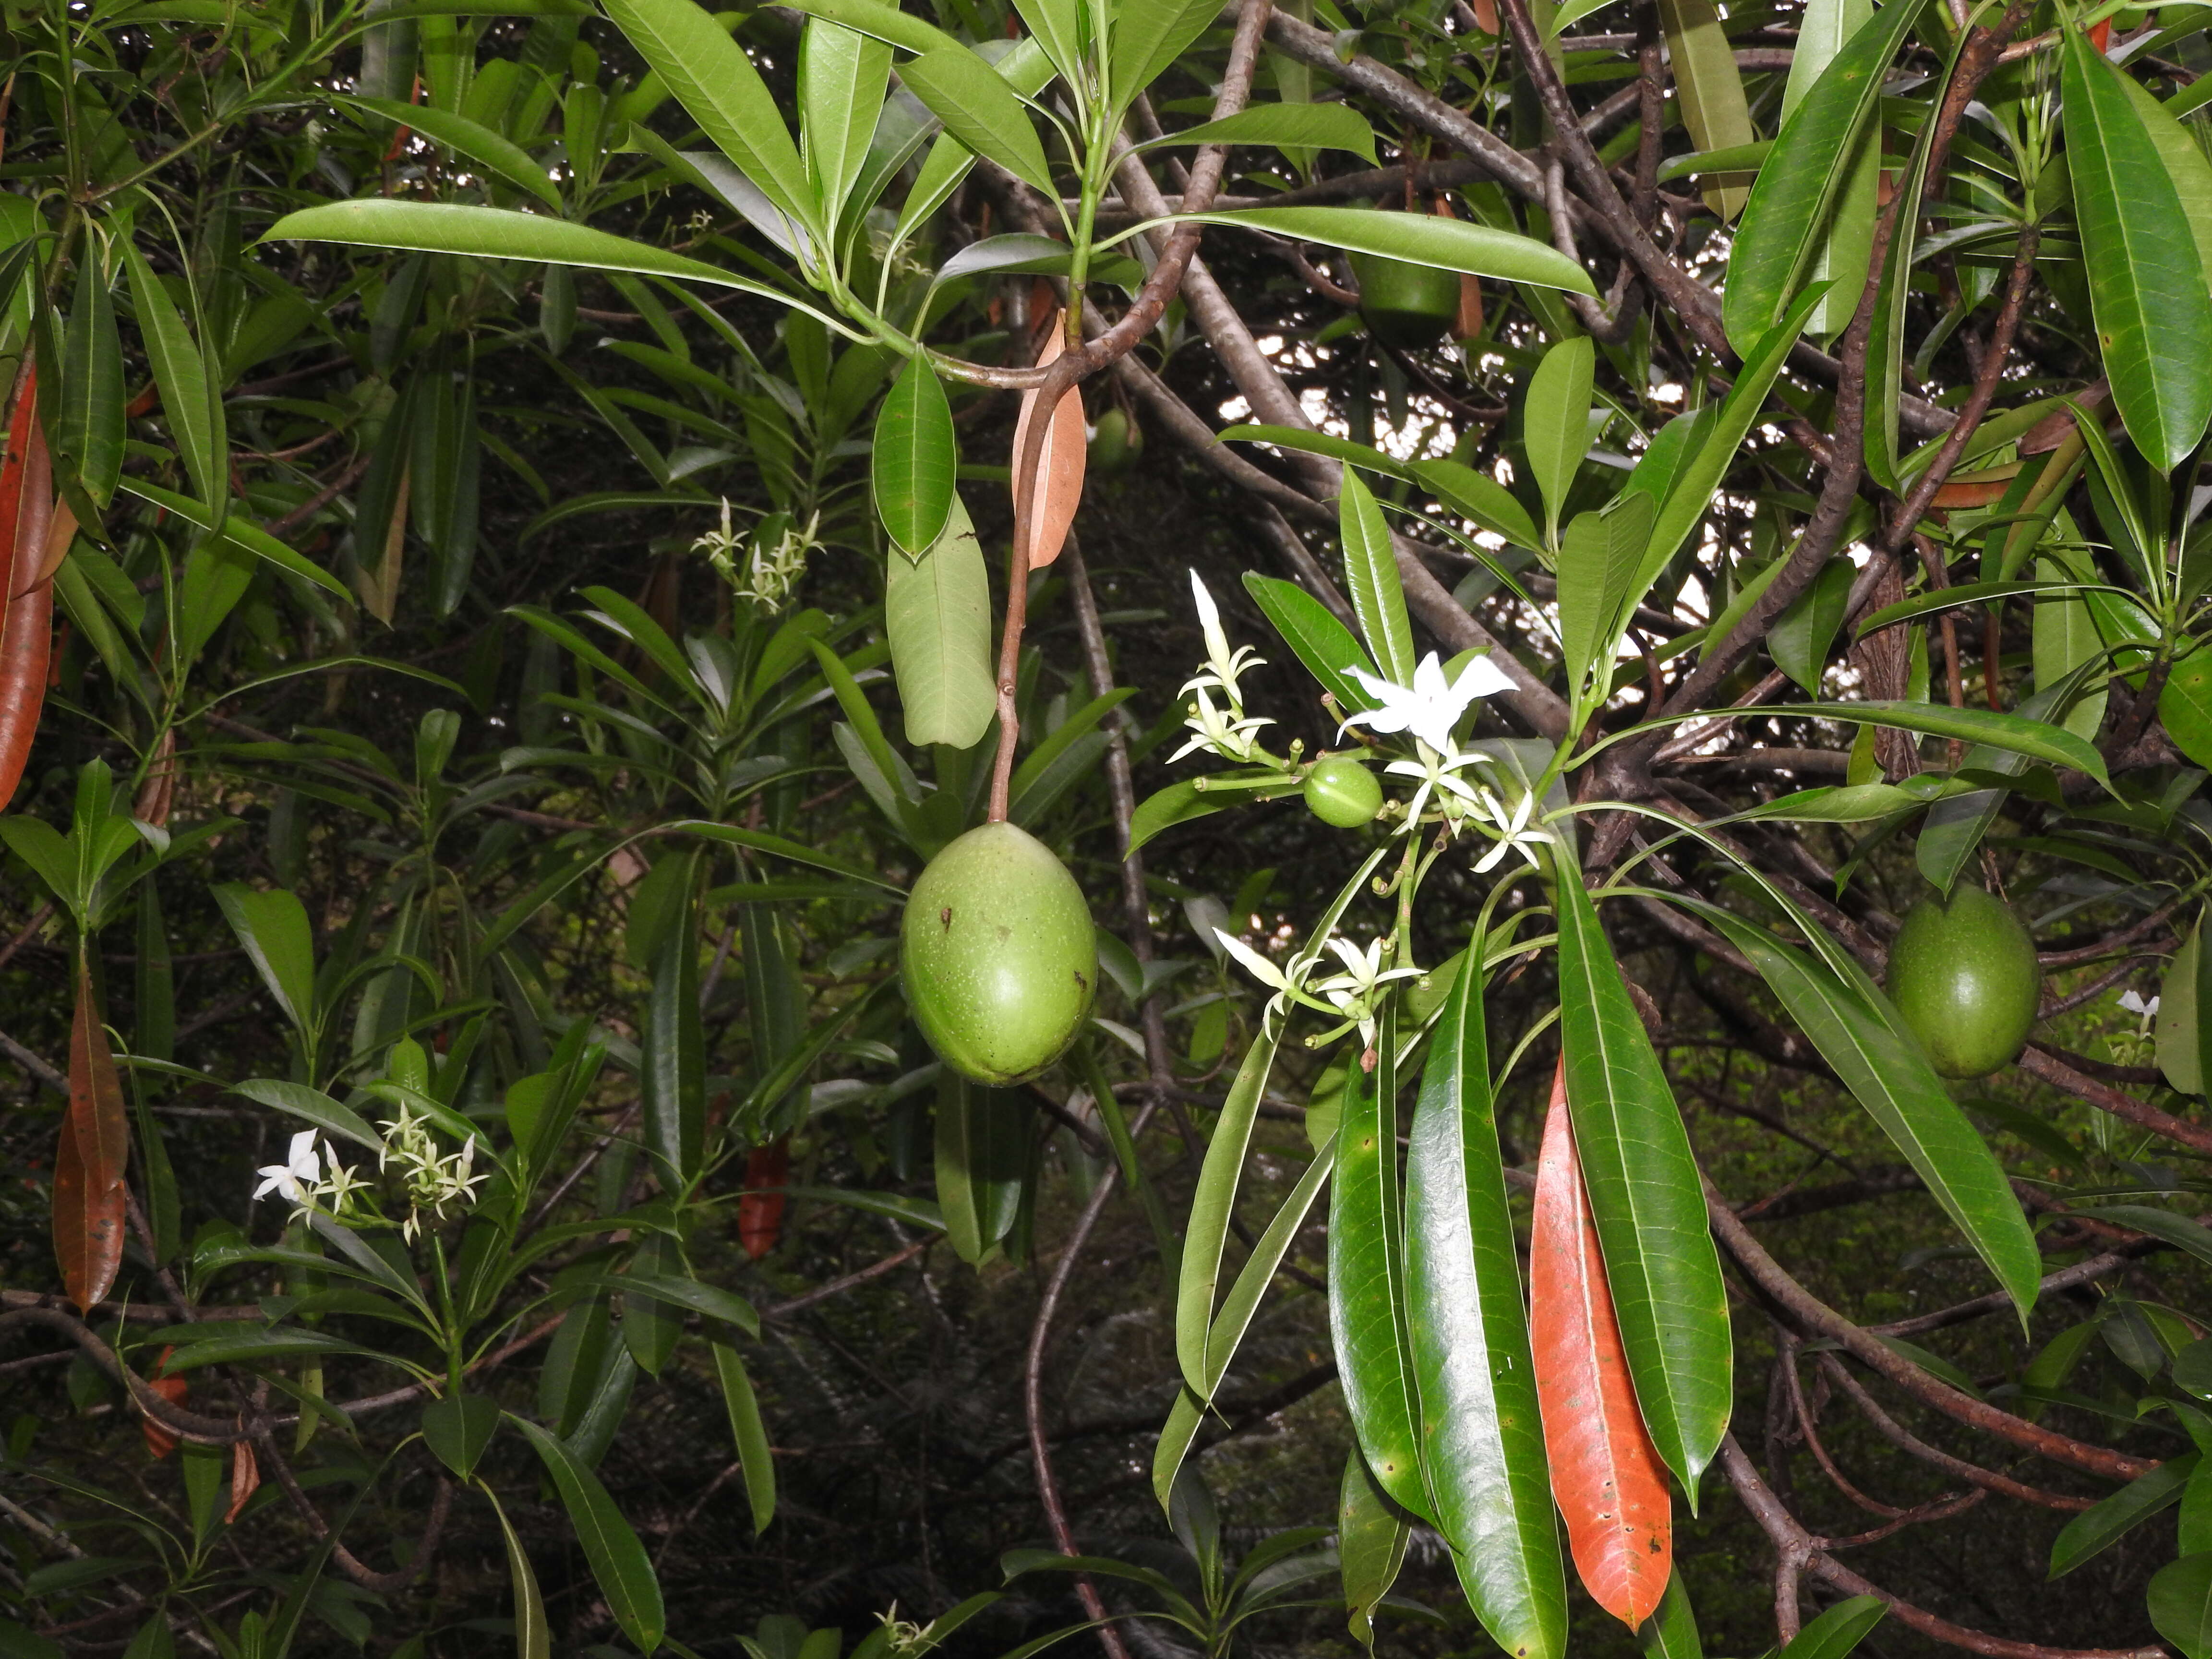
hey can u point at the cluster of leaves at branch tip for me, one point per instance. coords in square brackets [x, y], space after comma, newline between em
[999, 955]
[1964, 975]
[1405, 304]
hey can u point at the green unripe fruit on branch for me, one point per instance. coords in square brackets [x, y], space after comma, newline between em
[998, 956]
[1963, 974]
[1116, 443]
[1340, 791]
[1406, 305]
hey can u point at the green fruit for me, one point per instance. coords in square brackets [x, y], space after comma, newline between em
[1406, 305]
[998, 956]
[1965, 976]
[1116, 443]
[1340, 791]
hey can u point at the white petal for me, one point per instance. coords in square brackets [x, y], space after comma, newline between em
[2132, 1001]
[1256, 964]
[1481, 677]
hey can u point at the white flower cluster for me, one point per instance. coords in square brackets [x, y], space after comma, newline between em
[1230, 733]
[308, 1178]
[2140, 1046]
[1354, 993]
[300, 1179]
[774, 556]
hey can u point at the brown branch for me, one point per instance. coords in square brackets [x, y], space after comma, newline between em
[2037, 1063]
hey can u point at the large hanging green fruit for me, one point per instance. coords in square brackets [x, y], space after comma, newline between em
[1963, 974]
[1116, 443]
[1406, 305]
[999, 955]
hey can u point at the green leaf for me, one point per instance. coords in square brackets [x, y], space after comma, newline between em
[272, 925]
[756, 1460]
[709, 1301]
[1597, 567]
[759, 841]
[1054, 26]
[2179, 1231]
[885, 22]
[915, 456]
[238, 532]
[1671, 1631]
[1482, 1443]
[1258, 1273]
[533, 1638]
[1709, 87]
[618, 1561]
[472, 139]
[195, 418]
[1556, 419]
[2184, 705]
[1646, 1197]
[1286, 126]
[980, 110]
[1883, 1068]
[981, 1159]
[1148, 36]
[671, 1053]
[842, 77]
[1179, 803]
[1371, 1545]
[1803, 635]
[2096, 1529]
[2036, 739]
[1838, 1631]
[276, 1347]
[714, 79]
[2147, 279]
[1367, 1279]
[458, 1427]
[2180, 1602]
[1479, 496]
[1815, 161]
[937, 613]
[497, 234]
[1370, 571]
[1421, 238]
[90, 427]
[1205, 1235]
[1324, 645]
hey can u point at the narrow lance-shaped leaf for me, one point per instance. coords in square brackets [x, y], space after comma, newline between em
[1371, 1545]
[915, 457]
[195, 418]
[1370, 569]
[1645, 1195]
[980, 110]
[26, 611]
[1556, 415]
[1057, 489]
[1206, 1234]
[842, 76]
[1367, 1279]
[1482, 1447]
[1709, 87]
[2147, 281]
[272, 925]
[90, 1159]
[672, 1054]
[1421, 238]
[533, 1637]
[755, 1459]
[617, 1560]
[1606, 1473]
[88, 435]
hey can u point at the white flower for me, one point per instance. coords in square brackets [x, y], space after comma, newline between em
[1513, 832]
[1353, 992]
[1431, 706]
[1253, 963]
[2133, 1002]
[1435, 770]
[1223, 666]
[300, 1170]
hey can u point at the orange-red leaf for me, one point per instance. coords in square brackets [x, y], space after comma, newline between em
[1606, 1477]
[1975, 489]
[760, 1213]
[160, 1440]
[245, 1477]
[89, 1160]
[157, 791]
[26, 627]
[1059, 466]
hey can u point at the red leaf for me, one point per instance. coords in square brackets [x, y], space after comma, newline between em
[160, 1440]
[26, 617]
[760, 1213]
[1059, 465]
[245, 1477]
[1606, 1477]
[89, 1160]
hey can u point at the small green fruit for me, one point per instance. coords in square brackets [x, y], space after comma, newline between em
[999, 955]
[1963, 975]
[1116, 443]
[1406, 305]
[1340, 791]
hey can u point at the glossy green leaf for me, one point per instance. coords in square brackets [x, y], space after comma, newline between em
[1482, 1443]
[1556, 421]
[1671, 1631]
[2036, 739]
[755, 1459]
[1370, 571]
[2147, 279]
[1879, 1062]
[1805, 183]
[2097, 1530]
[2180, 1603]
[272, 925]
[2180, 1033]
[617, 1560]
[1148, 36]
[1803, 636]
[1254, 1278]
[472, 139]
[1205, 1235]
[1479, 496]
[1646, 1197]
[885, 22]
[1838, 1631]
[238, 532]
[1421, 238]
[915, 455]
[1324, 645]
[1179, 803]
[1596, 570]
[842, 75]
[980, 110]
[1286, 126]
[533, 1637]
[457, 1427]
[89, 425]
[714, 79]
[2179, 1231]
[1367, 1281]
[937, 614]
[1709, 87]
[195, 417]
[982, 1158]
[1028, 71]
[671, 1052]
[1371, 1545]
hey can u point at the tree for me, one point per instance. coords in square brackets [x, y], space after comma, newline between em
[393, 816]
